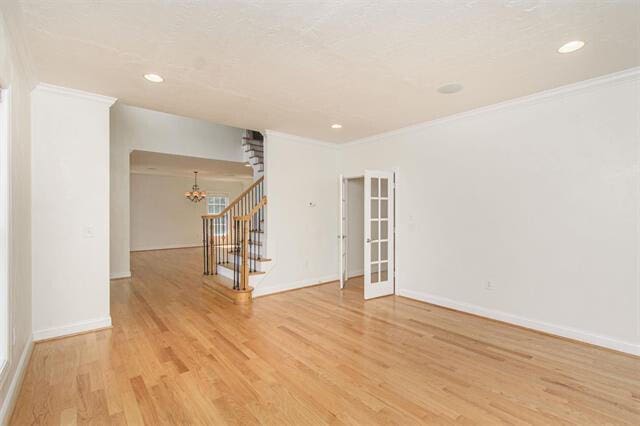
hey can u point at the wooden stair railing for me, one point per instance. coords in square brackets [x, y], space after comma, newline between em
[227, 236]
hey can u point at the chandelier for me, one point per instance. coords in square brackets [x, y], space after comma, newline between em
[195, 194]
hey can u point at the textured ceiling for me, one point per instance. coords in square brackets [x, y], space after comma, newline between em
[153, 163]
[298, 66]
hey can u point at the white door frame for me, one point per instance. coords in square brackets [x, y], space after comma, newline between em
[343, 246]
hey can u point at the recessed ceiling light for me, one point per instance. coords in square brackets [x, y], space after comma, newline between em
[450, 88]
[336, 126]
[154, 78]
[572, 46]
[247, 165]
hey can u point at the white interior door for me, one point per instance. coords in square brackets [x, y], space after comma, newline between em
[378, 234]
[342, 237]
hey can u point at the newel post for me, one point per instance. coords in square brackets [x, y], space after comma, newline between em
[245, 255]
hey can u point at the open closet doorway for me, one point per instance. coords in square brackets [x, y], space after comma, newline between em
[353, 236]
[367, 232]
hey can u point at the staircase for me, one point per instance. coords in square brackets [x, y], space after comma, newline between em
[253, 146]
[234, 245]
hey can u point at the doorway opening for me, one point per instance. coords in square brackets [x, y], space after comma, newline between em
[354, 228]
[164, 214]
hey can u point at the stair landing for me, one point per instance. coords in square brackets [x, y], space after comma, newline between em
[224, 287]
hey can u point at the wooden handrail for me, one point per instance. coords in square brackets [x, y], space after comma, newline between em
[234, 202]
[253, 211]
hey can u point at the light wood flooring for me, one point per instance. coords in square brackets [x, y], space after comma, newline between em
[180, 354]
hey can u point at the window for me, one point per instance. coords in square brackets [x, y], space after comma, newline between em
[215, 204]
[4, 229]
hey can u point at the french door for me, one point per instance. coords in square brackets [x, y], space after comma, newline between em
[378, 233]
[342, 235]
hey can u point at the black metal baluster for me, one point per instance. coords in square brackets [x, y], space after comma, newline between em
[208, 251]
[218, 240]
[256, 231]
[224, 240]
[208, 246]
[250, 202]
[236, 269]
[259, 220]
[234, 243]
[204, 249]
[212, 242]
[229, 233]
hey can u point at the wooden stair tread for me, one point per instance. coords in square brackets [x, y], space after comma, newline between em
[229, 265]
[224, 286]
[252, 257]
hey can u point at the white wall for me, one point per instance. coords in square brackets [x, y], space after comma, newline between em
[301, 239]
[355, 226]
[70, 211]
[16, 75]
[141, 129]
[538, 196]
[160, 215]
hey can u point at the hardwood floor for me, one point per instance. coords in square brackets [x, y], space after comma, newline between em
[180, 354]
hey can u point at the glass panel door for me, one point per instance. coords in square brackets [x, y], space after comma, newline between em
[342, 237]
[378, 247]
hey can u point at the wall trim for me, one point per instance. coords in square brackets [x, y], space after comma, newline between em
[16, 383]
[554, 329]
[65, 330]
[617, 77]
[59, 90]
[167, 247]
[119, 275]
[301, 139]
[264, 291]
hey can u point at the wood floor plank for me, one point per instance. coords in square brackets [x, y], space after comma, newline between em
[179, 353]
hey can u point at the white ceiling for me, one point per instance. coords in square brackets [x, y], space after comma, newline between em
[153, 163]
[298, 66]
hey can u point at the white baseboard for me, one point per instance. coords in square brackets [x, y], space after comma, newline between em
[167, 247]
[14, 387]
[263, 291]
[79, 327]
[558, 330]
[118, 275]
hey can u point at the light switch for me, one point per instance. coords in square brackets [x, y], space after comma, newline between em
[88, 232]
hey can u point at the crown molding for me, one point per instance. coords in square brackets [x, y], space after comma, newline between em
[190, 176]
[59, 90]
[614, 78]
[300, 139]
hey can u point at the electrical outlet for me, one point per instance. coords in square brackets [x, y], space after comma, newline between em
[489, 286]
